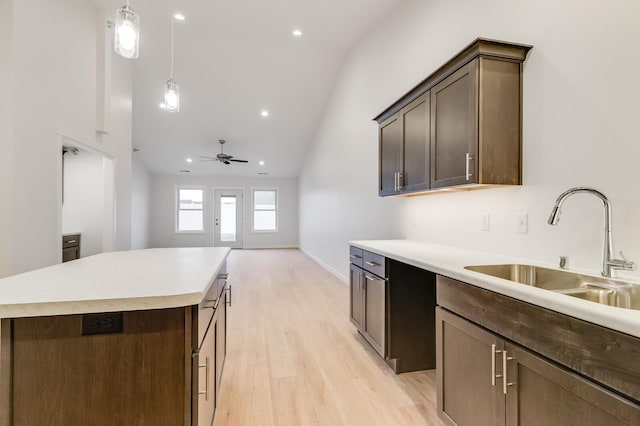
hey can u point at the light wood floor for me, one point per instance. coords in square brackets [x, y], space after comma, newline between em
[295, 359]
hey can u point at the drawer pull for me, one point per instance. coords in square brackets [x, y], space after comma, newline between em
[372, 263]
[229, 290]
[223, 276]
[205, 392]
[71, 241]
[355, 256]
[369, 277]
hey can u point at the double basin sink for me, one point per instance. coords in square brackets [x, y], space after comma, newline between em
[610, 292]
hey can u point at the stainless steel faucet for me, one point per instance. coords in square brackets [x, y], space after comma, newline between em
[609, 264]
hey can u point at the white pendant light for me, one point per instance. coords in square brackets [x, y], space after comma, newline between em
[127, 32]
[171, 88]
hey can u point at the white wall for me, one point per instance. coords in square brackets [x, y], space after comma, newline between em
[580, 108]
[164, 210]
[53, 91]
[140, 205]
[6, 220]
[83, 205]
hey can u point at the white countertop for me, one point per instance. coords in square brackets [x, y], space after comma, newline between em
[114, 281]
[450, 261]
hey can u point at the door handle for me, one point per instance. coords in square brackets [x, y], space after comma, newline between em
[505, 381]
[494, 376]
[205, 392]
[468, 158]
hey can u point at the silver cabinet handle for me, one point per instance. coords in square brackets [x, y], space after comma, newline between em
[223, 276]
[369, 277]
[71, 241]
[372, 263]
[355, 256]
[468, 158]
[205, 392]
[229, 290]
[395, 181]
[505, 381]
[494, 376]
[400, 180]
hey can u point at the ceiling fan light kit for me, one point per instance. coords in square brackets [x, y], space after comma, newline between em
[222, 157]
[127, 32]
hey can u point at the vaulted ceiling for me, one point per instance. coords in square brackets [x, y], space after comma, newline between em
[233, 59]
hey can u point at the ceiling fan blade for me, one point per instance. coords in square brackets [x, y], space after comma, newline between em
[240, 161]
[226, 162]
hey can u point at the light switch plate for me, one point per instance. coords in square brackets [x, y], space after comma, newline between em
[484, 221]
[522, 223]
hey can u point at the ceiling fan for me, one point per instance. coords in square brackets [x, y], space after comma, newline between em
[222, 157]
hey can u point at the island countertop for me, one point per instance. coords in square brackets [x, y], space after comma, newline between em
[114, 281]
[450, 261]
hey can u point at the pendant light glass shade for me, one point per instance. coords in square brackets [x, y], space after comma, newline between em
[127, 32]
[171, 96]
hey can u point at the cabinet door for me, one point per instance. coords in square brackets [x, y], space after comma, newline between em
[221, 340]
[205, 380]
[415, 132]
[466, 359]
[454, 128]
[544, 394]
[375, 312]
[390, 139]
[356, 296]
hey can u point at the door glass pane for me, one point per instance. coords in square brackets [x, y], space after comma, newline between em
[228, 208]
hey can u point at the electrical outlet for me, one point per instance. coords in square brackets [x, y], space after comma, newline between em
[102, 323]
[522, 223]
[484, 221]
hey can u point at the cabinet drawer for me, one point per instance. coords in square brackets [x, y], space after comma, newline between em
[206, 309]
[72, 240]
[355, 256]
[374, 263]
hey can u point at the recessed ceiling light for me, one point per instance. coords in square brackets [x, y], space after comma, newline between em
[264, 113]
[185, 171]
[179, 16]
[163, 105]
[261, 163]
[296, 33]
[189, 160]
[263, 173]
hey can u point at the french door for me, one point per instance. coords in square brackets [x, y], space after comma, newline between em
[227, 217]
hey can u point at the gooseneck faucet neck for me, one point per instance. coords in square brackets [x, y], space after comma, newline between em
[607, 245]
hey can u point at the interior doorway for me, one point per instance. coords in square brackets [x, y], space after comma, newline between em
[228, 207]
[87, 197]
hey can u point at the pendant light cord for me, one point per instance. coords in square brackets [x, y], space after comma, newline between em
[172, 19]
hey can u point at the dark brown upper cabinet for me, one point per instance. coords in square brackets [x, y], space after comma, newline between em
[460, 127]
[404, 149]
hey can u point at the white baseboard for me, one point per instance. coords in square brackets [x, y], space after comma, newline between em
[338, 275]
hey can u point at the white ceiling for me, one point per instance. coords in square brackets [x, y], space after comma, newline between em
[234, 58]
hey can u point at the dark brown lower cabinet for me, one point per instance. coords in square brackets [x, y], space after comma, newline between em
[484, 379]
[153, 367]
[392, 305]
[356, 296]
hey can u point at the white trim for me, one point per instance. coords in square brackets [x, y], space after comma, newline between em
[176, 209]
[341, 277]
[277, 209]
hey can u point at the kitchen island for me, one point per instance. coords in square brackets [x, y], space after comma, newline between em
[134, 337]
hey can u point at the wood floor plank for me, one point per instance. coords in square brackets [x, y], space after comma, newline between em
[295, 359]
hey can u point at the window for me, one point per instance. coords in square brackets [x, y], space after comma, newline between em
[190, 214]
[265, 210]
